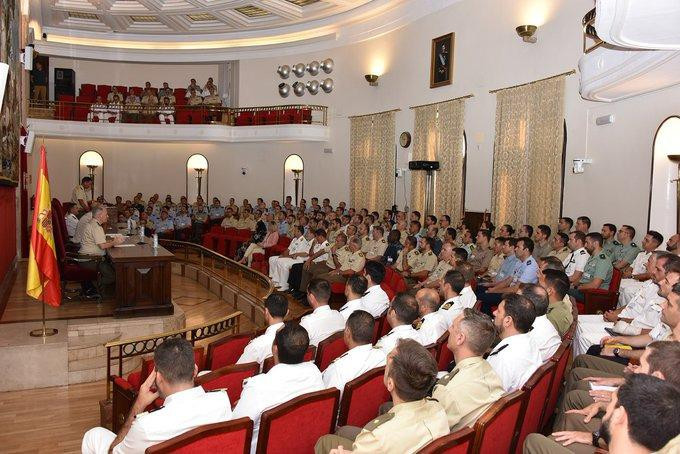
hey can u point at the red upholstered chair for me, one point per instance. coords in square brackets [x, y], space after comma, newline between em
[269, 362]
[230, 436]
[210, 238]
[444, 355]
[458, 442]
[87, 89]
[561, 357]
[123, 397]
[260, 263]
[122, 89]
[538, 388]
[229, 378]
[226, 351]
[599, 300]
[390, 292]
[182, 116]
[362, 398]
[496, 430]
[103, 91]
[81, 109]
[180, 93]
[137, 90]
[329, 349]
[385, 327]
[295, 426]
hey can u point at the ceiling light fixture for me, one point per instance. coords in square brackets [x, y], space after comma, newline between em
[526, 32]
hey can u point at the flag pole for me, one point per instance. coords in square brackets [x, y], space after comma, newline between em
[44, 331]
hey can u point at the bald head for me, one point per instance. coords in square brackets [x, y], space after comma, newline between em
[428, 300]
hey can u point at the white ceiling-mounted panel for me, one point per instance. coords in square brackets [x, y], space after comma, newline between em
[639, 24]
[610, 74]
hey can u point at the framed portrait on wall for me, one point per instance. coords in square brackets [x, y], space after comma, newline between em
[441, 66]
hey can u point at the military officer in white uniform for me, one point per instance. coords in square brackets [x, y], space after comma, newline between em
[431, 324]
[543, 333]
[260, 348]
[279, 265]
[575, 263]
[375, 301]
[360, 356]
[515, 358]
[355, 287]
[451, 287]
[402, 313]
[324, 321]
[289, 378]
[185, 407]
[472, 386]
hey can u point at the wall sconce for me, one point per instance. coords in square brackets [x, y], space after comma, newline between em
[526, 32]
[372, 79]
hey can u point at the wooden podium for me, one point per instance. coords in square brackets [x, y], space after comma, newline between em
[143, 279]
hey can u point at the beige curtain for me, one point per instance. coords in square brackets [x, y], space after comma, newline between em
[527, 166]
[372, 165]
[438, 136]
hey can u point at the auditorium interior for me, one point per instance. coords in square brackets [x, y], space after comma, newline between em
[485, 194]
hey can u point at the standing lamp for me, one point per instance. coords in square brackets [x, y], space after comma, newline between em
[296, 179]
[199, 176]
[199, 164]
[92, 160]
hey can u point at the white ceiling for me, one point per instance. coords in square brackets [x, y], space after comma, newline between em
[186, 17]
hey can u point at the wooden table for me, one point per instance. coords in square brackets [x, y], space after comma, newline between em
[143, 279]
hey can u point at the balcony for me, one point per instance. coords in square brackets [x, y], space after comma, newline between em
[191, 123]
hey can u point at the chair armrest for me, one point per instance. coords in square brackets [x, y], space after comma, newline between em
[599, 300]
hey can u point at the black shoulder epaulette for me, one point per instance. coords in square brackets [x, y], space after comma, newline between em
[498, 351]
[156, 409]
[583, 252]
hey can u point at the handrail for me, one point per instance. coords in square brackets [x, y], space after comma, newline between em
[204, 114]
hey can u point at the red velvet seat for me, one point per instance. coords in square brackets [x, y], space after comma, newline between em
[122, 89]
[272, 117]
[179, 93]
[458, 442]
[269, 362]
[390, 292]
[295, 426]
[378, 326]
[259, 263]
[88, 89]
[496, 430]
[210, 238]
[538, 388]
[329, 349]
[180, 101]
[182, 116]
[103, 91]
[230, 436]
[444, 355]
[561, 357]
[229, 378]
[598, 301]
[226, 351]
[244, 119]
[81, 109]
[362, 398]
[307, 116]
[123, 397]
[136, 90]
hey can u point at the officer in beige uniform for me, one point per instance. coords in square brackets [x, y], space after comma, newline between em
[560, 248]
[366, 240]
[79, 195]
[472, 386]
[426, 262]
[94, 243]
[482, 254]
[408, 256]
[434, 278]
[347, 262]
[412, 422]
[377, 247]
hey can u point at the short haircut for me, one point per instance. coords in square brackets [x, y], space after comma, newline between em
[412, 241]
[460, 254]
[596, 237]
[320, 232]
[656, 236]
[563, 237]
[376, 270]
[569, 221]
[479, 330]
[358, 284]
[579, 236]
[360, 324]
[585, 220]
[467, 270]
[321, 290]
[558, 281]
[610, 226]
[432, 218]
[446, 218]
[413, 370]
[552, 263]
[529, 229]
[651, 406]
[528, 243]
[537, 295]
[86, 180]
[455, 279]
[664, 357]
[292, 342]
[405, 307]
[451, 232]
[672, 264]
[630, 229]
[510, 229]
[485, 233]
[431, 298]
[429, 241]
[416, 214]
[96, 210]
[277, 305]
[545, 230]
[522, 311]
[511, 241]
[416, 223]
[174, 359]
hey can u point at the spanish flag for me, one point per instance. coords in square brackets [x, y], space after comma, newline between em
[43, 273]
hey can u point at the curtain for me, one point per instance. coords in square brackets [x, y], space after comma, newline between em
[527, 159]
[438, 136]
[372, 164]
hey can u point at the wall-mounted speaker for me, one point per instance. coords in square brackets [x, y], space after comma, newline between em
[423, 165]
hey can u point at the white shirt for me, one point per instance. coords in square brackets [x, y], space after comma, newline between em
[432, 327]
[389, 340]
[468, 297]
[576, 261]
[351, 365]
[80, 226]
[545, 337]
[260, 348]
[375, 301]
[515, 359]
[450, 309]
[298, 245]
[321, 323]
[317, 248]
[281, 384]
[349, 307]
[660, 332]
[71, 224]
[645, 294]
[639, 265]
[180, 413]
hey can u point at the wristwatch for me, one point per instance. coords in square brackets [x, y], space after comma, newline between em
[616, 352]
[596, 438]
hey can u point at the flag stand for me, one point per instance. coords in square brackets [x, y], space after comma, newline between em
[44, 331]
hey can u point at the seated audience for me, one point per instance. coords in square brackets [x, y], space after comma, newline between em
[375, 301]
[425, 263]
[446, 258]
[597, 273]
[472, 386]
[560, 246]
[542, 246]
[99, 110]
[115, 108]
[323, 321]
[194, 99]
[451, 287]
[209, 85]
[575, 263]
[543, 334]
[260, 348]
[211, 98]
[559, 312]
[515, 358]
[290, 377]
[165, 226]
[624, 254]
[71, 219]
[412, 422]
[270, 239]
[564, 225]
[431, 324]
[279, 265]
[376, 246]
[149, 98]
[637, 273]
[166, 92]
[185, 406]
[583, 224]
[482, 255]
[360, 356]
[113, 93]
[166, 112]
[403, 311]
[355, 287]
[408, 256]
[393, 250]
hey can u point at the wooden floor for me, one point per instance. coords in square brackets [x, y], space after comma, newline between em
[53, 420]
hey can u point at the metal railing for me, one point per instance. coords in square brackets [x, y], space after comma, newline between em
[183, 114]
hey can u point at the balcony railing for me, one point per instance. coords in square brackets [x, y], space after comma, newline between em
[183, 114]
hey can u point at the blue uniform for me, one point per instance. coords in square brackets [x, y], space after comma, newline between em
[216, 212]
[508, 267]
[283, 228]
[164, 225]
[182, 221]
[526, 272]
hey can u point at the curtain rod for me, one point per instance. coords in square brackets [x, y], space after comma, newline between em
[567, 73]
[446, 100]
[375, 113]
